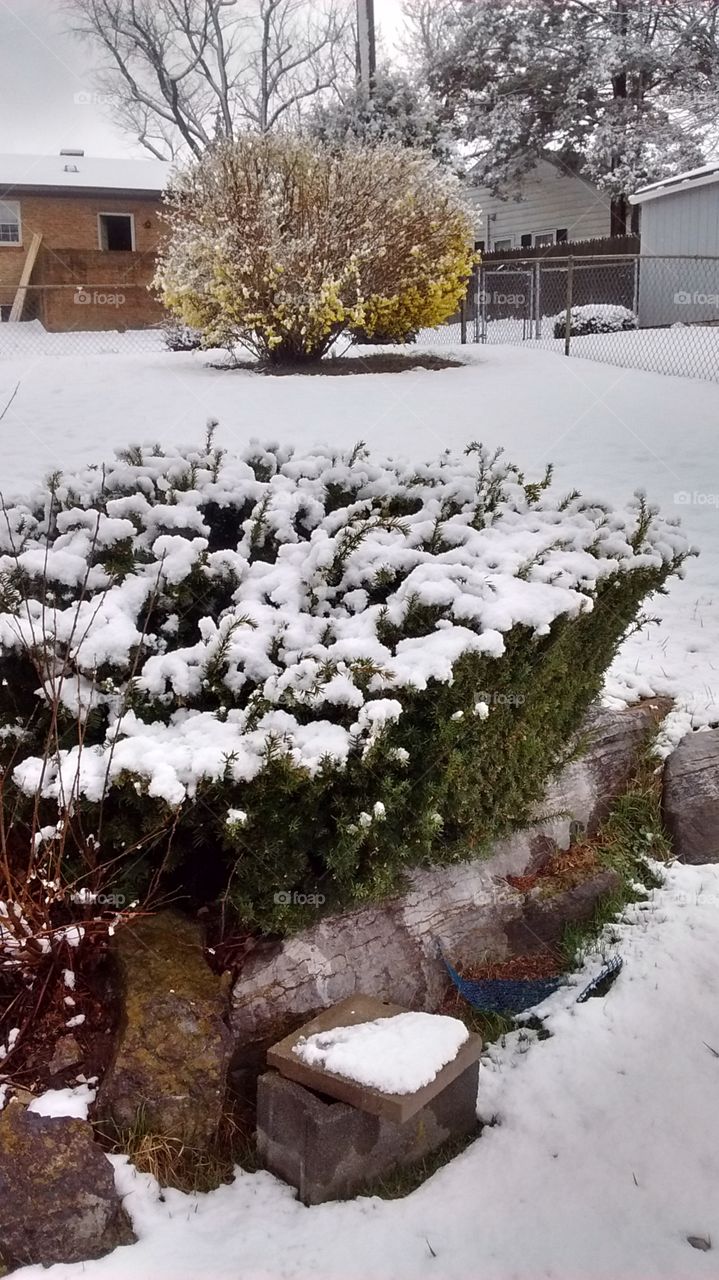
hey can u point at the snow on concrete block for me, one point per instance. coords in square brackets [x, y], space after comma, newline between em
[390, 1083]
[329, 1136]
[398, 1053]
[691, 797]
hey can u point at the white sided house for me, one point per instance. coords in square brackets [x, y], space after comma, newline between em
[550, 205]
[679, 276]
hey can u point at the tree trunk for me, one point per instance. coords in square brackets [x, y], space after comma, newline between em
[619, 208]
[619, 216]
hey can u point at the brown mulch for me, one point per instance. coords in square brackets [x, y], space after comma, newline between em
[562, 869]
[344, 366]
[544, 963]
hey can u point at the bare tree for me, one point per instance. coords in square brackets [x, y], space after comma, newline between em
[181, 73]
[423, 29]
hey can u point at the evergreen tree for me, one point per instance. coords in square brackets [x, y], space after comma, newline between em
[623, 90]
[395, 112]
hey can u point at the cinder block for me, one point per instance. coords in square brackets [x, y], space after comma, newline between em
[329, 1150]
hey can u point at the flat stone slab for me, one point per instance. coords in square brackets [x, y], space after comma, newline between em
[691, 798]
[395, 1107]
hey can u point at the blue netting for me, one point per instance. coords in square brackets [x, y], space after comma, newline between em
[499, 995]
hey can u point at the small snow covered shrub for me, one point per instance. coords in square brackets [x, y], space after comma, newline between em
[596, 317]
[319, 670]
[181, 337]
[281, 243]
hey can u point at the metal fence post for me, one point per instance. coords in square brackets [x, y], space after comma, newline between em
[537, 300]
[463, 320]
[568, 317]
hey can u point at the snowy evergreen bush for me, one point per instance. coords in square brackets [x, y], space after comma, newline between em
[595, 317]
[395, 111]
[281, 244]
[181, 337]
[317, 670]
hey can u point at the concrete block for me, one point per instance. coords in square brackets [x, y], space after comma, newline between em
[329, 1150]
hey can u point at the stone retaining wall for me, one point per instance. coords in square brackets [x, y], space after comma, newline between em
[390, 951]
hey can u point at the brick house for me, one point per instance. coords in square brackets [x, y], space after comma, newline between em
[78, 238]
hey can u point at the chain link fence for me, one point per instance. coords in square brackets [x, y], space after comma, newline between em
[71, 319]
[635, 311]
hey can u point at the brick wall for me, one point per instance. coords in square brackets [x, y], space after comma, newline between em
[70, 258]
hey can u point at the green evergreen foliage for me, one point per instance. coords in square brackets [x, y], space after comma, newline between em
[273, 598]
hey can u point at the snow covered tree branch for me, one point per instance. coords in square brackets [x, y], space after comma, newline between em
[621, 89]
[396, 111]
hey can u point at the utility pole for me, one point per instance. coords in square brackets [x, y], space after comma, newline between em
[366, 45]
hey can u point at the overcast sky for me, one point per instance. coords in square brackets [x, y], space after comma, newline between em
[46, 82]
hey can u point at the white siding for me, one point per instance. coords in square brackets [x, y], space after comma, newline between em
[686, 222]
[548, 199]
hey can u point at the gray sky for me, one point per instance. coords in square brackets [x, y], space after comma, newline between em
[47, 94]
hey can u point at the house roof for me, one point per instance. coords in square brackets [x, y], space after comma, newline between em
[686, 181]
[547, 158]
[81, 173]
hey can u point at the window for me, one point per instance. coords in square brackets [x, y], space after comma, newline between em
[562, 235]
[9, 222]
[479, 246]
[503, 244]
[526, 241]
[542, 238]
[116, 231]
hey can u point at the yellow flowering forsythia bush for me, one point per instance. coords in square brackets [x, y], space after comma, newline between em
[280, 244]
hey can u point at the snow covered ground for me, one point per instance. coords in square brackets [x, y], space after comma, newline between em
[690, 351]
[603, 1158]
[608, 430]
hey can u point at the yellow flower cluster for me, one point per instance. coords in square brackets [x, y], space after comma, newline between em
[368, 241]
